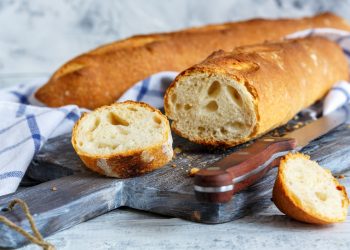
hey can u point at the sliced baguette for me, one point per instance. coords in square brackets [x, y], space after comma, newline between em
[123, 140]
[233, 97]
[307, 192]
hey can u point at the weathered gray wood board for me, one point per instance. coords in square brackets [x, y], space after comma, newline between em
[82, 195]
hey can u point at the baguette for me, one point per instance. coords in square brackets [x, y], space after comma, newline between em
[111, 69]
[306, 192]
[123, 140]
[253, 89]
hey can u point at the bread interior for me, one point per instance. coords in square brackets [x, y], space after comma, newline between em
[211, 107]
[119, 128]
[314, 188]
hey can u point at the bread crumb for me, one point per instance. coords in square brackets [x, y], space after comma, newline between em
[177, 150]
[341, 176]
[196, 215]
[54, 189]
[193, 171]
[173, 165]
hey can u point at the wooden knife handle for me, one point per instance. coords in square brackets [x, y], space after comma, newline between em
[240, 169]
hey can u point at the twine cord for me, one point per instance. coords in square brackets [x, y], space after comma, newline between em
[37, 238]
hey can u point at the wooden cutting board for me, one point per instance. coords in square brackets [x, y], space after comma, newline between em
[70, 194]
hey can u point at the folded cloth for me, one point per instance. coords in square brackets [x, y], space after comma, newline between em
[26, 124]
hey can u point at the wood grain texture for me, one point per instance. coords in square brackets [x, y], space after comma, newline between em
[167, 191]
[130, 229]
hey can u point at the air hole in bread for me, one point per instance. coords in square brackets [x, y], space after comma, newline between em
[132, 109]
[173, 98]
[214, 88]
[96, 123]
[223, 130]
[114, 119]
[187, 106]
[234, 95]
[157, 120]
[321, 196]
[201, 129]
[123, 132]
[236, 125]
[212, 106]
[178, 106]
[81, 143]
[102, 145]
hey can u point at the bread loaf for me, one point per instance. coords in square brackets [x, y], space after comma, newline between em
[123, 140]
[232, 97]
[111, 69]
[306, 192]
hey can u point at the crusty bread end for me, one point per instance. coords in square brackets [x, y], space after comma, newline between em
[309, 193]
[123, 140]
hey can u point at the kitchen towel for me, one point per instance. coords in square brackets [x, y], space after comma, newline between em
[25, 124]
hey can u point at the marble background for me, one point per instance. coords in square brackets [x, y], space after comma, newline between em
[37, 36]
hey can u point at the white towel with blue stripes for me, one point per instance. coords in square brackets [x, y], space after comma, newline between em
[25, 125]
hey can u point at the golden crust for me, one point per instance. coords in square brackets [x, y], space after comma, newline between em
[129, 163]
[282, 77]
[111, 69]
[288, 204]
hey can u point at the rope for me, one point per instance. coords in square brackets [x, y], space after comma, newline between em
[37, 238]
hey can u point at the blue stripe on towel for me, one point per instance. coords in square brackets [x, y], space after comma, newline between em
[152, 92]
[72, 116]
[144, 89]
[21, 97]
[21, 120]
[21, 110]
[34, 129]
[13, 174]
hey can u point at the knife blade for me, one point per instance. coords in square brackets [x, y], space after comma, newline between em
[244, 167]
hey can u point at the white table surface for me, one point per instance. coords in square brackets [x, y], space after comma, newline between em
[37, 36]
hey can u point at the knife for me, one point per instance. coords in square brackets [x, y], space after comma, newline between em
[219, 182]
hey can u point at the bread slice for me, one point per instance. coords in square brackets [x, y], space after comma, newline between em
[233, 97]
[123, 140]
[307, 192]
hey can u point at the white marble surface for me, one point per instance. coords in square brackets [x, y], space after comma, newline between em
[37, 36]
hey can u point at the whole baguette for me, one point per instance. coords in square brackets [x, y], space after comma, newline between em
[242, 94]
[100, 76]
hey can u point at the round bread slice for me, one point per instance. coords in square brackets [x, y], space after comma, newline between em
[307, 192]
[123, 140]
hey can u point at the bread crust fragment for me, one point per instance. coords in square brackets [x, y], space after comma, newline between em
[290, 205]
[129, 163]
[108, 71]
